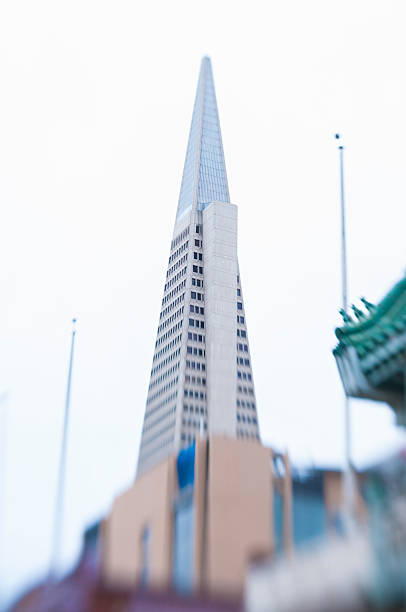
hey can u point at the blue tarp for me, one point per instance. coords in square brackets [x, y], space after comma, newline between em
[186, 466]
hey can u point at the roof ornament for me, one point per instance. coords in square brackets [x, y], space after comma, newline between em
[368, 305]
[358, 313]
[346, 318]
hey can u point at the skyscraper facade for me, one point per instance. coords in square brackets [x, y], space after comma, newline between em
[201, 376]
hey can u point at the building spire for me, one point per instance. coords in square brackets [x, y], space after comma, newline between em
[204, 174]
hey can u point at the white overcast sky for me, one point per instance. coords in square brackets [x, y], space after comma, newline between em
[95, 105]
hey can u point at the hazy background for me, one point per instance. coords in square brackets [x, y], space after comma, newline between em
[95, 104]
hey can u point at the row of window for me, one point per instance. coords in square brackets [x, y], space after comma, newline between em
[197, 269]
[196, 309]
[179, 238]
[170, 319]
[169, 333]
[193, 350]
[242, 347]
[152, 413]
[162, 364]
[244, 375]
[198, 243]
[171, 306]
[195, 380]
[195, 295]
[243, 361]
[195, 394]
[164, 375]
[189, 438]
[240, 319]
[196, 323]
[196, 365]
[245, 390]
[175, 278]
[245, 434]
[178, 251]
[157, 434]
[151, 424]
[239, 305]
[196, 409]
[159, 447]
[198, 256]
[151, 410]
[242, 333]
[244, 419]
[246, 404]
[163, 389]
[193, 423]
[174, 291]
[167, 347]
[197, 282]
[176, 266]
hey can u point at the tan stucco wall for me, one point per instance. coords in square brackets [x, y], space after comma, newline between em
[233, 504]
[147, 502]
[239, 511]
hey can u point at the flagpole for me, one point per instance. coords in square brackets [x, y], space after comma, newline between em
[3, 450]
[58, 516]
[349, 484]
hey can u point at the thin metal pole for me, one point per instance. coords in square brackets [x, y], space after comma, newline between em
[349, 483]
[3, 449]
[343, 233]
[58, 518]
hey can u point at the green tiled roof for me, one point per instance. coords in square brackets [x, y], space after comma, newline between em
[375, 325]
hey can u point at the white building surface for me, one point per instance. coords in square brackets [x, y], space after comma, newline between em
[201, 377]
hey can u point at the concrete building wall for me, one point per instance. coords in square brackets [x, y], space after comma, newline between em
[233, 518]
[221, 269]
[148, 503]
[239, 511]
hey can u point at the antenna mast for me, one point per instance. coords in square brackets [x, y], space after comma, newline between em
[349, 484]
[58, 517]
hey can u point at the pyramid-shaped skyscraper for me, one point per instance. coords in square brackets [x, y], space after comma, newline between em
[201, 377]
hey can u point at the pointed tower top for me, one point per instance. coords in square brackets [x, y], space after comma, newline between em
[204, 174]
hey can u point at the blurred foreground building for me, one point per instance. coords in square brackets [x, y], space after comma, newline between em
[366, 571]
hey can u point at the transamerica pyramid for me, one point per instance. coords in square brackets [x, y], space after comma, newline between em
[201, 377]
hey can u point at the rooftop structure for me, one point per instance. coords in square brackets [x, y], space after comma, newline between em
[371, 352]
[201, 376]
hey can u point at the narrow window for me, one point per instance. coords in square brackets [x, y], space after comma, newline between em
[144, 556]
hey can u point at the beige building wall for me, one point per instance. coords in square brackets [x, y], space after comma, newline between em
[148, 503]
[233, 514]
[239, 511]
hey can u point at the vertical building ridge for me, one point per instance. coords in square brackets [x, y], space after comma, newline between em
[201, 377]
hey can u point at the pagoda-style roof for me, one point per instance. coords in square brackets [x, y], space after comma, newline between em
[371, 352]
